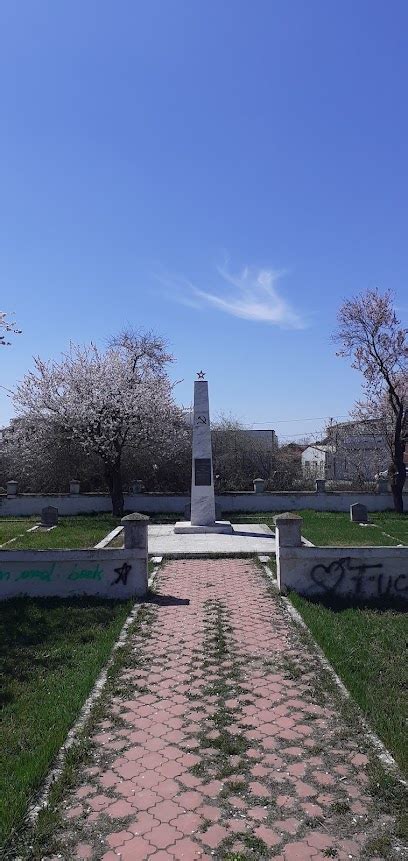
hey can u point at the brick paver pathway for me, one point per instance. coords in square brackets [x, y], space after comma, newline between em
[220, 741]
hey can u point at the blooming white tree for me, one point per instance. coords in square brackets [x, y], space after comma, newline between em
[104, 400]
[370, 332]
[43, 458]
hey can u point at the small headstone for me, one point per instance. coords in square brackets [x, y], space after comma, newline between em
[358, 513]
[49, 516]
[382, 485]
[11, 488]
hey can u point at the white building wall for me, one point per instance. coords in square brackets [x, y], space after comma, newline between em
[314, 462]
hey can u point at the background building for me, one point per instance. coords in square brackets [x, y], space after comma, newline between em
[314, 461]
[357, 450]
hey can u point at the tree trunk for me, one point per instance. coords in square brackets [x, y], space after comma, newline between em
[397, 470]
[113, 476]
[397, 486]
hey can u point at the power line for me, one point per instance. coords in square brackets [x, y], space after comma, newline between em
[312, 419]
[315, 433]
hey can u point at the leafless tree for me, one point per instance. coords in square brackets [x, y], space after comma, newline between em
[7, 327]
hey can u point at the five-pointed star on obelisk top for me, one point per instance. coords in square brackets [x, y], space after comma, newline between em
[200, 375]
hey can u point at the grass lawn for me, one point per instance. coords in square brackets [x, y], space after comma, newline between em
[11, 528]
[320, 527]
[71, 532]
[335, 528]
[367, 648]
[51, 651]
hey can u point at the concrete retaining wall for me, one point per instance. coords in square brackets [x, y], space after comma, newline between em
[326, 572]
[28, 504]
[64, 573]
[356, 572]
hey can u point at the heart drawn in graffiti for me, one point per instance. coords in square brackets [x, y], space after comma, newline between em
[329, 577]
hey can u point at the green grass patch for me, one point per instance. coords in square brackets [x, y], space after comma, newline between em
[332, 528]
[12, 528]
[328, 528]
[51, 652]
[118, 541]
[367, 647]
[71, 533]
[393, 523]
[320, 527]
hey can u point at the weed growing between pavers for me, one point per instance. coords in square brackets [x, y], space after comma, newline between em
[217, 743]
[392, 796]
[223, 745]
[253, 847]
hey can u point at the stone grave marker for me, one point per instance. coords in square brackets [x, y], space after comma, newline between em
[358, 513]
[49, 516]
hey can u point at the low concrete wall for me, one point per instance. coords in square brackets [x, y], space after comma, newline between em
[27, 504]
[295, 501]
[354, 572]
[63, 573]
[325, 572]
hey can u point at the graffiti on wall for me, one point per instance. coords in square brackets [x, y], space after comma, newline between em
[348, 576]
[122, 573]
[76, 572]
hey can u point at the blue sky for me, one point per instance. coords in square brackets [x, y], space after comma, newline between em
[225, 173]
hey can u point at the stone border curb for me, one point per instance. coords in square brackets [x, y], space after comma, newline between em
[108, 538]
[384, 755]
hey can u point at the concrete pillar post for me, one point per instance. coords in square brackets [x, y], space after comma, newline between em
[259, 485]
[135, 531]
[136, 538]
[74, 486]
[288, 534]
[288, 530]
[11, 487]
[320, 485]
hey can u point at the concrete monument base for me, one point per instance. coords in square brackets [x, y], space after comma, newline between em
[220, 527]
[245, 539]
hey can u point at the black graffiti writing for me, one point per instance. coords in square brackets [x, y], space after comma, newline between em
[122, 573]
[330, 579]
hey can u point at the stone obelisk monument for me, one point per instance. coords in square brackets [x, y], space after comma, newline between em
[202, 479]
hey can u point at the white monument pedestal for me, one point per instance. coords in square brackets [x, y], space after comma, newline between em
[221, 526]
[202, 480]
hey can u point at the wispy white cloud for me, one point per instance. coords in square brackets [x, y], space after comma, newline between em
[251, 294]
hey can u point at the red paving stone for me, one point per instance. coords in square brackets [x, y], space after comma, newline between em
[218, 745]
